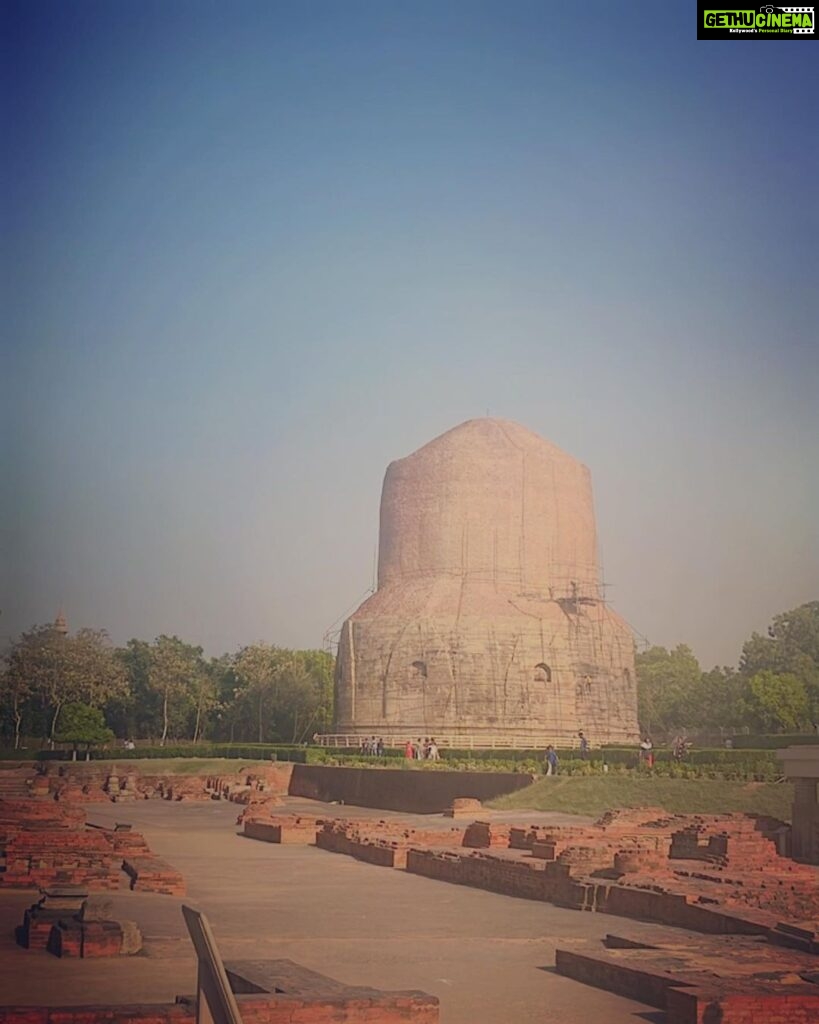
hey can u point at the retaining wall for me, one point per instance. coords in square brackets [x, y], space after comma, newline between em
[396, 789]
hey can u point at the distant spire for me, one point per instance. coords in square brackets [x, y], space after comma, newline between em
[60, 625]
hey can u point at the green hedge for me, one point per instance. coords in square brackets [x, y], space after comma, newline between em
[10, 754]
[774, 742]
[700, 763]
[740, 765]
[237, 751]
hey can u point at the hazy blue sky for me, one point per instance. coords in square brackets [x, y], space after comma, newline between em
[254, 251]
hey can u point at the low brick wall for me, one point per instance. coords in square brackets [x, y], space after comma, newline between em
[551, 881]
[700, 979]
[383, 843]
[52, 857]
[645, 986]
[287, 829]
[396, 789]
[526, 879]
[674, 909]
[482, 835]
[797, 1005]
[152, 874]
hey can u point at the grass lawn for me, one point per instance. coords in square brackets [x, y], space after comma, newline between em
[596, 794]
[179, 765]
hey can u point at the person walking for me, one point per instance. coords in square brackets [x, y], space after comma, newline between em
[552, 760]
[584, 747]
[647, 752]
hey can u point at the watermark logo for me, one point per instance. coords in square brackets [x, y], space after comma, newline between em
[764, 22]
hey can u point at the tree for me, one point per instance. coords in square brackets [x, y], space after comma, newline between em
[669, 689]
[257, 668]
[296, 698]
[138, 711]
[791, 647]
[203, 696]
[16, 692]
[228, 709]
[35, 671]
[724, 703]
[80, 723]
[92, 668]
[281, 693]
[55, 669]
[173, 670]
[165, 688]
[777, 702]
[320, 667]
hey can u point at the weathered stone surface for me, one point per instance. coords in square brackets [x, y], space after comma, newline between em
[488, 618]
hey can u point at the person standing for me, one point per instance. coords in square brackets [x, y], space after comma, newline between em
[552, 760]
[584, 747]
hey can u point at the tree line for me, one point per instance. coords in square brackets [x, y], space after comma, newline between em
[166, 690]
[775, 687]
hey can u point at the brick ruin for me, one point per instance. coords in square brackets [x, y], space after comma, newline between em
[729, 980]
[725, 878]
[717, 872]
[66, 923]
[46, 842]
[50, 845]
[717, 875]
[80, 782]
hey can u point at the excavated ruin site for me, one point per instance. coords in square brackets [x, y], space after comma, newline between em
[482, 916]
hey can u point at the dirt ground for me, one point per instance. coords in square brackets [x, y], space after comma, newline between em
[488, 958]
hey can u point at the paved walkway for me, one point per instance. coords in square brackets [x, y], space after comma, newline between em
[489, 958]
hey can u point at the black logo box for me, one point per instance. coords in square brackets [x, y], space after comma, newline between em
[726, 33]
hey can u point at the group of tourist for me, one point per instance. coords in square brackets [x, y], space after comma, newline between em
[422, 750]
[373, 746]
[418, 750]
[427, 750]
